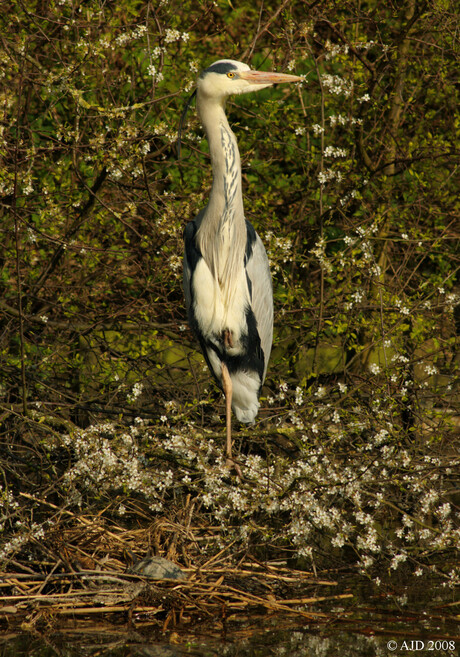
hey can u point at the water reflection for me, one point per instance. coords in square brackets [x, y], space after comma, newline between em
[300, 642]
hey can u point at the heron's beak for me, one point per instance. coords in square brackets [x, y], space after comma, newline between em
[262, 77]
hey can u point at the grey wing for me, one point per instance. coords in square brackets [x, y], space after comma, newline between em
[191, 257]
[258, 270]
[186, 276]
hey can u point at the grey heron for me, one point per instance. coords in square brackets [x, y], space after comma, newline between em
[227, 282]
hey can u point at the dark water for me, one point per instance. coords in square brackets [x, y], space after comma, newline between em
[293, 642]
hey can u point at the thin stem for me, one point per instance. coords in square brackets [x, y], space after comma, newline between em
[17, 239]
[321, 228]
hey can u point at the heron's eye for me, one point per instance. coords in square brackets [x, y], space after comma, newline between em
[230, 75]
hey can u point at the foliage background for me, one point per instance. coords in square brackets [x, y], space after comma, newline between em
[351, 179]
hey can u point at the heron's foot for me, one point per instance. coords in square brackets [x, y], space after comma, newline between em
[233, 465]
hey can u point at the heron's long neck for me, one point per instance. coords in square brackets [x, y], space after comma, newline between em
[222, 234]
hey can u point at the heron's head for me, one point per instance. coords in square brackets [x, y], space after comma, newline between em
[226, 77]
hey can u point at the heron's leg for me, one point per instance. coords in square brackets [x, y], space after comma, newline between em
[227, 386]
[228, 339]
